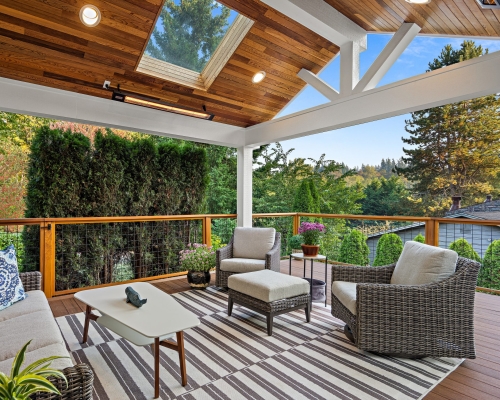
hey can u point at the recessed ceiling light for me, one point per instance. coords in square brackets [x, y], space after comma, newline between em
[258, 77]
[90, 15]
[419, 1]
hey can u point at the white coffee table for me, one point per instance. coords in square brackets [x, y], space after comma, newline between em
[155, 323]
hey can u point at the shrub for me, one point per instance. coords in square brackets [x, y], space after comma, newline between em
[419, 238]
[465, 249]
[295, 241]
[489, 274]
[389, 248]
[197, 257]
[354, 249]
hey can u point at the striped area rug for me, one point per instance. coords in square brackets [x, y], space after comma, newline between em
[233, 358]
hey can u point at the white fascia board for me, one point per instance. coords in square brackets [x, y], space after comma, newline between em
[319, 84]
[389, 55]
[31, 99]
[323, 19]
[466, 80]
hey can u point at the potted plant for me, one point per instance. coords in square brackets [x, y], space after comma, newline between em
[311, 233]
[20, 385]
[198, 259]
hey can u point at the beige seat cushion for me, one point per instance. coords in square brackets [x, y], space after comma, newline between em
[420, 264]
[36, 301]
[39, 326]
[346, 293]
[56, 349]
[268, 285]
[253, 242]
[242, 265]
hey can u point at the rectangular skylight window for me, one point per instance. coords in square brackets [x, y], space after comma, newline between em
[188, 32]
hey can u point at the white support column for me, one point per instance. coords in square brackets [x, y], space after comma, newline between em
[244, 185]
[349, 67]
[319, 84]
[399, 42]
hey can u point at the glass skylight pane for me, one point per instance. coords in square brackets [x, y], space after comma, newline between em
[188, 32]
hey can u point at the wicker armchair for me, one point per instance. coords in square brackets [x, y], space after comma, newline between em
[434, 319]
[80, 377]
[272, 260]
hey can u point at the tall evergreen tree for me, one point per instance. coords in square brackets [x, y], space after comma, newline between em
[189, 34]
[454, 148]
[385, 197]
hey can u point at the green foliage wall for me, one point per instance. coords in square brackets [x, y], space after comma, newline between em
[465, 249]
[389, 248]
[489, 274]
[115, 177]
[354, 249]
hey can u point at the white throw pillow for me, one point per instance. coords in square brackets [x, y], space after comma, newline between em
[253, 242]
[11, 287]
[420, 264]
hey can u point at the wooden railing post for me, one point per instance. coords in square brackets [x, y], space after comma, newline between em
[207, 231]
[48, 257]
[432, 232]
[296, 224]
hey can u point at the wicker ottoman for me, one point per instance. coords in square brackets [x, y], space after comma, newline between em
[269, 293]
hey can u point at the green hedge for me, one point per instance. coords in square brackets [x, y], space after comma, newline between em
[354, 249]
[465, 249]
[69, 177]
[489, 274]
[389, 248]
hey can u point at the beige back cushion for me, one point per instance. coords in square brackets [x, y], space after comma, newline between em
[420, 264]
[253, 242]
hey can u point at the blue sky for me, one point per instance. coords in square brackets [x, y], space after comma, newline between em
[370, 142]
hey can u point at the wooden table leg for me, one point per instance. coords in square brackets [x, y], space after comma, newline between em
[182, 357]
[88, 312]
[157, 367]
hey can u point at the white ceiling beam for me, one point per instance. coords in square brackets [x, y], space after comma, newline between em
[323, 19]
[391, 52]
[319, 84]
[27, 98]
[466, 80]
[349, 67]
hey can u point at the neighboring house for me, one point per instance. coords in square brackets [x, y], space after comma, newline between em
[478, 236]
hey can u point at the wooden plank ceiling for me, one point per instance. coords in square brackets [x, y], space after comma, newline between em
[439, 17]
[44, 42]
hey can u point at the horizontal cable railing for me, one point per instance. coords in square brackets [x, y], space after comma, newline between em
[80, 253]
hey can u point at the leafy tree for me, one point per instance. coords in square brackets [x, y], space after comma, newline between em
[385, 197]
[189, 33]
[354, 249]
[221, 190]
[489, 274]
[13, 179]
[465, 249]
[20, 129]
[419, 238]
[389, 248]
[454, 149]
[304, 201]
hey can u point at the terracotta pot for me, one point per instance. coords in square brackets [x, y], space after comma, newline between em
[198, 279]
[310, 250]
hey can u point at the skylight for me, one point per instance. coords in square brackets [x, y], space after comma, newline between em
[188, 32]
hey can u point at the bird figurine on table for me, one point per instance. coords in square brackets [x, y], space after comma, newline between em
[134, 297]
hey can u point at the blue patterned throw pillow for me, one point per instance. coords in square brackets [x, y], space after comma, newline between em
[11, 287]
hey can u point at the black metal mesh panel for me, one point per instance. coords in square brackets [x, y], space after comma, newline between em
[284, 225]
[94, 254]
[27, 249]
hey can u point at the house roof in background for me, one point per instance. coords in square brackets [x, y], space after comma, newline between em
[44, 42]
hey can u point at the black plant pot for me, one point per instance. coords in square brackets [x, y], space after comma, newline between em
[198, 279]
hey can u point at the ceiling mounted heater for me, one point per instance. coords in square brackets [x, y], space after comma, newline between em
[138, 100]
[489, 3]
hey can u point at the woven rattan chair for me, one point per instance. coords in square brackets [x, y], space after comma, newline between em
[434, 319]
[271, 259]
[80, 377]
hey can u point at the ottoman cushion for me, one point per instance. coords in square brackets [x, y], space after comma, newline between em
[268, 285]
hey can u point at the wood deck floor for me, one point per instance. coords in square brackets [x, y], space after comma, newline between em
[474, 379]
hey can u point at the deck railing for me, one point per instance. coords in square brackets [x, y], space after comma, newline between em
[79, 253]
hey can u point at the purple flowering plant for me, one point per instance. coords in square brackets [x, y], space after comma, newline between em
[197, 258]
[311, 232]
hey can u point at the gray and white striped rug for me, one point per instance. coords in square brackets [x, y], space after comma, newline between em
[233, 358]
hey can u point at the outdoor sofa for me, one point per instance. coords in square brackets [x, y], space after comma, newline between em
[32, 319]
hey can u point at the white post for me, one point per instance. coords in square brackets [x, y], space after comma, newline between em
[244, 185]
[349, 67]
